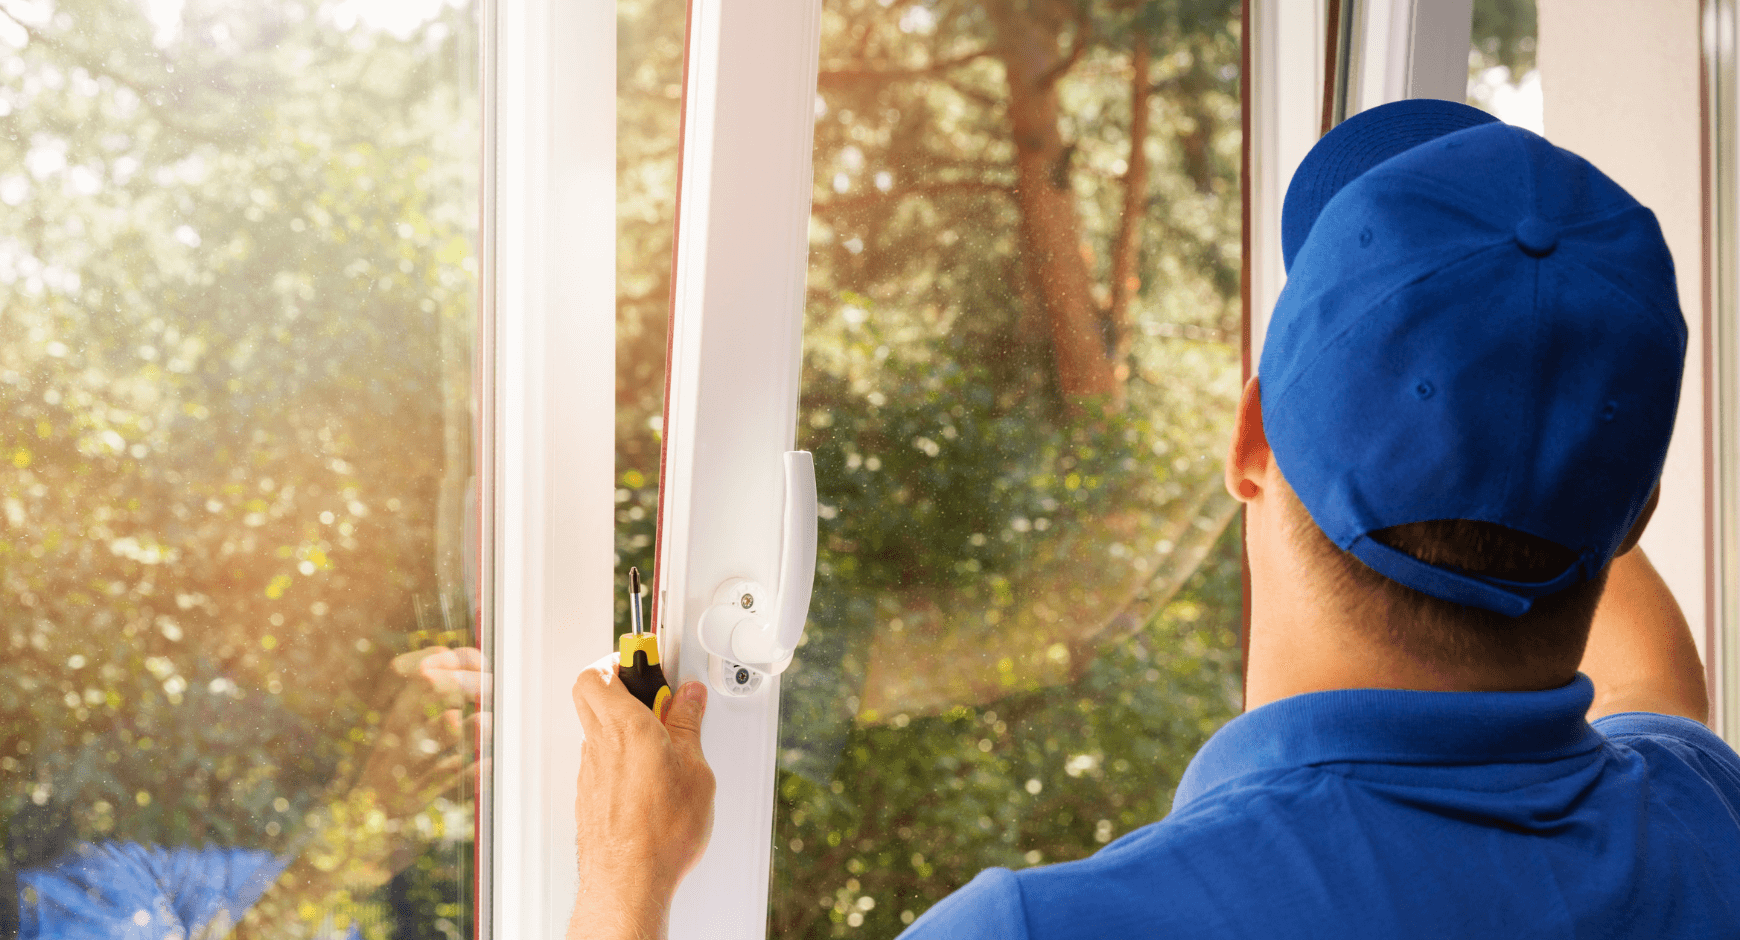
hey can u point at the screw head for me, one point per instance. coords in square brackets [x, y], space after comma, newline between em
[748, 601]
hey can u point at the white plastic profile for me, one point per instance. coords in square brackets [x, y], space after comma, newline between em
[1396, 49]
[1409, 49]
[1285, 102]
[742, 248]
[548, 261]
[1721, 55]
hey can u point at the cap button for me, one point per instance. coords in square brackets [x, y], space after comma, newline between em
[1537, 236]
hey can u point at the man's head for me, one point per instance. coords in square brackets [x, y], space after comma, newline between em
[1466, 390]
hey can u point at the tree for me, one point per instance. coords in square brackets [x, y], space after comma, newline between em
[1506, 33]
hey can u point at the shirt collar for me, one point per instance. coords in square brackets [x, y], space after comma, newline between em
[1396, 726]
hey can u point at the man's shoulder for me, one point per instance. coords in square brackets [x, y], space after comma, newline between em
[1217, 864]
[1178, 870]
[1661, 727]
[1675, 747]
[990, 907]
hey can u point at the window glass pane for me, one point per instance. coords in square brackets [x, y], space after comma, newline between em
[238, 557]
[1502, 77]
[649, 91]
[1022, 358]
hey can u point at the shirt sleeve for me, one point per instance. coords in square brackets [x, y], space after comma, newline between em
[988, 908]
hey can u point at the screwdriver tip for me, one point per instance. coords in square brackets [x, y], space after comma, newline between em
[634, 601]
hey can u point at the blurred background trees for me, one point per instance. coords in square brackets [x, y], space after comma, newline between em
[237, 283]
[1502, 75]
[1021, 359]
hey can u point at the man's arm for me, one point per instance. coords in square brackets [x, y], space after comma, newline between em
[1640, 653]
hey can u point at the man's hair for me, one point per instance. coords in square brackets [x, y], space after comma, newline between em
[1550, 636]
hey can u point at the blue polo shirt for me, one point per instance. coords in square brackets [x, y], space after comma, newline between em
[1382, 813]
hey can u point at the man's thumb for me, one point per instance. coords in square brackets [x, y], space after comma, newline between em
[683, 718]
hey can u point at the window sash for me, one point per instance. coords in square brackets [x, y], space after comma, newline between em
[549, 275]
[742, 248]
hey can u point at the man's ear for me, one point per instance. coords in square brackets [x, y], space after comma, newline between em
[1642, 521]
[1248, 458]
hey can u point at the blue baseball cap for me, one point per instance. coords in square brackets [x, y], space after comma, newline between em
[1479, 326]
[1358, 144]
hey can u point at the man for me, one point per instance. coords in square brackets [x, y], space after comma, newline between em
[1453, 445]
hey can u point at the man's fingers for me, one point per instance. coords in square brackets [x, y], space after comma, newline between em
[683, 718]
[407, 664]
[469, 684]
[469, 657]
[452, 672]
[589, 686]
[600, 689]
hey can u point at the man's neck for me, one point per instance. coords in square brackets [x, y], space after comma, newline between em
[1298, 645]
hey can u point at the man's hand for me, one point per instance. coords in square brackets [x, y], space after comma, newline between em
[644, 806]
[427, 743]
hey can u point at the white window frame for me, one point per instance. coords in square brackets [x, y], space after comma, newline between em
[1721, 361]
[1285, 102]
[742, 250]
[1407, 49]
[550, 195]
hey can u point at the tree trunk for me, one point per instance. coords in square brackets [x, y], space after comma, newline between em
[1052, 246]
[1127, 247]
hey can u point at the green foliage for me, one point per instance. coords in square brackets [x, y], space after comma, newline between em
[1505, 33]
[431, 898]
[239, 292]
[954, 477]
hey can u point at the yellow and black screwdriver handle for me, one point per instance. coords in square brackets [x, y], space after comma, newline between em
[638, 655]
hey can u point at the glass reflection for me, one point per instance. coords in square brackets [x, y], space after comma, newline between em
[1022, 355]
[242, 679]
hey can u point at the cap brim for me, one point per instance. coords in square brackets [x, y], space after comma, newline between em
[1355, 146]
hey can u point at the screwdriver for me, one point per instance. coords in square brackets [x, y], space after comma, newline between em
[638, 656]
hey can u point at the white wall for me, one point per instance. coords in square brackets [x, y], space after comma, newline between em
[1621, 82]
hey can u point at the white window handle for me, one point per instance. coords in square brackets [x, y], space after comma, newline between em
[748, 632]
